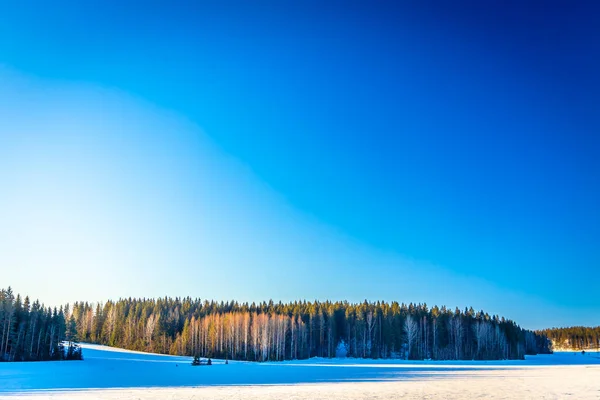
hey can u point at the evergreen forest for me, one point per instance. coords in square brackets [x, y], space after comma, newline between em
[270, 331]
[574, 338]
[32, 332]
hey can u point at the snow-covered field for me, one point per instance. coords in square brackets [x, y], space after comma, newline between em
[108, 373]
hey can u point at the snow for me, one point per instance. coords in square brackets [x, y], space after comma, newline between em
[108, 373]
[570, 350]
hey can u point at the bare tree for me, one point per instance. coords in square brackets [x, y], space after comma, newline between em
[292, 337]
[435, 339]
[410, 327]
[246, 331]
[482, 334]
[302, 335]
[150, 325]
[370, 326]
[111, 320]
[456, 332]
[255, 335]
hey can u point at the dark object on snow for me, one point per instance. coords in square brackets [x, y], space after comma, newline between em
[199, 361]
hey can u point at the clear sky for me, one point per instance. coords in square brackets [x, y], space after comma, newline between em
[439, 152]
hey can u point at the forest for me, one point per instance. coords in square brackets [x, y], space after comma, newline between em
[302, 329]
[32, 332]
[573, 338]
[261, 332]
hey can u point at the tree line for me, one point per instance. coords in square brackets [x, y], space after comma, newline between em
[32, 332]
[574, 338]
[301, 329]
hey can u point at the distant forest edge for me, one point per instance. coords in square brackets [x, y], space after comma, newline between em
[573, 338]
[269, 331]
[32, 332]
[261, 332]
[273, 331]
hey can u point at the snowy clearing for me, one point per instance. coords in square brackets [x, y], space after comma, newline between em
[108, 373]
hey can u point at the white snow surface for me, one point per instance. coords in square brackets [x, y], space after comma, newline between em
[109, 373]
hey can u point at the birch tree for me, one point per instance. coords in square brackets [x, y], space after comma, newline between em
[410, 328]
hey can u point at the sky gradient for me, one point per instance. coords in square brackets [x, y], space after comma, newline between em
[415, 151]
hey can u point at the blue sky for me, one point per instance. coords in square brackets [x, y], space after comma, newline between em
[411, 151]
